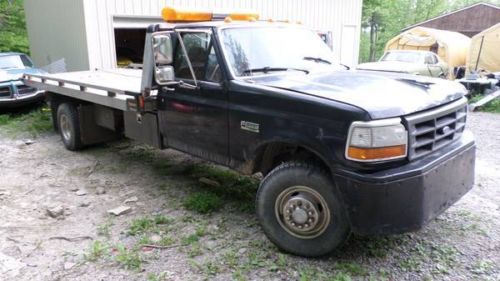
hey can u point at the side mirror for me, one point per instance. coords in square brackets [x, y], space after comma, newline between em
[163, 50]
[164, 74]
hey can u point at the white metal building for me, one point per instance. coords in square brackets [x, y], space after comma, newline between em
[91, 34]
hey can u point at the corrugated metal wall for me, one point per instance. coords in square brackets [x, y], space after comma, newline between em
[337, 16]
[56, 33]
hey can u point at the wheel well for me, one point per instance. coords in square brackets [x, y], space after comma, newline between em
[273, 154]
[54, 101]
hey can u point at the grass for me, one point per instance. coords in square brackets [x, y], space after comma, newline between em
[156, 277]
[35, 122]
[105, 229]
[227, 187]
[166, 241]
[351, 268]
[96, 251]
[203, 202]
[147, 224]
[493, 106]
[482, 267]
[190, 239]
[128, 259]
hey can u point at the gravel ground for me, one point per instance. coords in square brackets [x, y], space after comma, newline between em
[84, 242]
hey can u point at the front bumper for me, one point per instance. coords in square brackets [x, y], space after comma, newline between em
[21, 100]
[406, 198]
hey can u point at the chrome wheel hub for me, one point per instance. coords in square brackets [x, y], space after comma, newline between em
[302, 212]
[65, 127]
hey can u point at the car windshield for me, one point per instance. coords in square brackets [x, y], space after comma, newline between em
[252, 50]
[411, 57]
[14, 61]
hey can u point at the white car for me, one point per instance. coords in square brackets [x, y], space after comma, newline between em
[409, 61]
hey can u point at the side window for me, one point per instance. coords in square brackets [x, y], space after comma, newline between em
[430, 59]
[202, 56]
[197, 46]
[213, 73]
[435, 59]
[26, 61]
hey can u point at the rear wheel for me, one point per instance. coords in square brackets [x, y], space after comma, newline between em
[69, 126]
[299, 210]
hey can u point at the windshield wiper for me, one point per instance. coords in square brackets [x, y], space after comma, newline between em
[318, 59]
[271, 69]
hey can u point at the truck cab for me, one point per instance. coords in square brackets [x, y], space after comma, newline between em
[340, 151]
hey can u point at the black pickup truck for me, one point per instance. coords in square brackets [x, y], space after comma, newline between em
[340, 151]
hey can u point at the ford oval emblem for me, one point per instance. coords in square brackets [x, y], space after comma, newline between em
[445, 129]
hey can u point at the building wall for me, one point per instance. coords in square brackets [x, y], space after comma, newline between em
[56, 31]
[341, 17]
[469, 21]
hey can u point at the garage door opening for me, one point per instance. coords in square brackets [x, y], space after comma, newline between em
[129, 43]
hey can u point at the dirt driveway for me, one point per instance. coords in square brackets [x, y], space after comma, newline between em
[185, 220]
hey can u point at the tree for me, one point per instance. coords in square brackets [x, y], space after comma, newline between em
[13, 35]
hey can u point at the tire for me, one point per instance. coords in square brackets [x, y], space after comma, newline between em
[54, 105]
[68, 125]
[318, 211]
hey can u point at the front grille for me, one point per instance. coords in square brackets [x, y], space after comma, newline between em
[5, 91]
[434, 129]
[23, 90]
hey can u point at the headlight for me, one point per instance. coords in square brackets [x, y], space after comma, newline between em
[378, 140]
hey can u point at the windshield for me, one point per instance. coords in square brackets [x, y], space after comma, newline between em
[264, 49]
[411, 57]
[14, 61]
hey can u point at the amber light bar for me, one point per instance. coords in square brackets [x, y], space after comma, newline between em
[170, 14]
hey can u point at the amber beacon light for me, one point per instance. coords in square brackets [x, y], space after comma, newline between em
[170, 14]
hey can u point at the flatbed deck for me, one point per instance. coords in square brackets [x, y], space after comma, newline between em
[112, 88]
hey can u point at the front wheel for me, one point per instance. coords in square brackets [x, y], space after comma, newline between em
[299, 210]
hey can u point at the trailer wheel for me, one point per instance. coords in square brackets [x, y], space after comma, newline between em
[299, 210]
[69, 126]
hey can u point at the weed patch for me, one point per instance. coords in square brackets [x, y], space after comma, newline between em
[128, 259]
[96, 251]
[147, 224]
[493, 106]
[34, 123]
[190, 239]
[203, 202]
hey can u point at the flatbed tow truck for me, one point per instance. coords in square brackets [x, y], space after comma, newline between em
[340, 151]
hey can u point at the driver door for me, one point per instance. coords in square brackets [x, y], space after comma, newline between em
[194, 113]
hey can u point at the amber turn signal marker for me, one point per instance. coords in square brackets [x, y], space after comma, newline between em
[244, 16]
[376, 153]
[170, 14]
[173, 15]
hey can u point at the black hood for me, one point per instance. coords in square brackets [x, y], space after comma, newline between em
[382, 95]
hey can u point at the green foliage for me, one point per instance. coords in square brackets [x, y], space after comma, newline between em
[189, 240]
[13, 35]
[34, 123]
[129, 259]
[492, 106]
[203, 202]
[147, 224]
[97, 250]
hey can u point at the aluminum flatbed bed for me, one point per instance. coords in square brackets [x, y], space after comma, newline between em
[112, 88]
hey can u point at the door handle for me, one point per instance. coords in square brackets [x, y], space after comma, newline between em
[188, 86]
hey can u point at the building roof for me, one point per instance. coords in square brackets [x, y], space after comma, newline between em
[453, 12]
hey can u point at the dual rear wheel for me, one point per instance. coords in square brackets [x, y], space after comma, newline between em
[68, 125]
